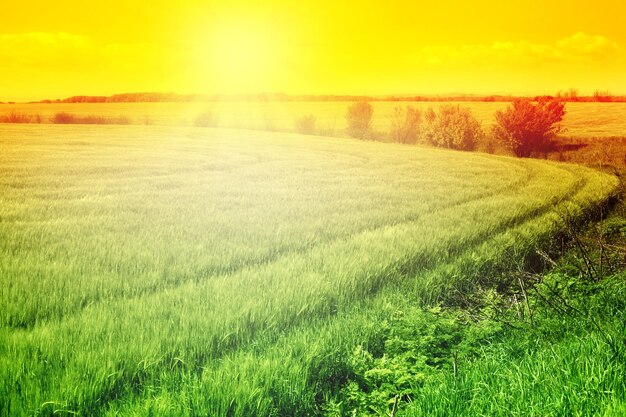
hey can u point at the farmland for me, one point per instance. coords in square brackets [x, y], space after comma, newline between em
[583, 120]
[186, 271]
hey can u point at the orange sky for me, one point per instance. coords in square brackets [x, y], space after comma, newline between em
[68, 47]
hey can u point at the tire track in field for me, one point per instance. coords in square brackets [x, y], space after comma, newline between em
[372, 288]
[271, 257]
[344, 320]
[276, 254]
[424, 263]
[241, 341]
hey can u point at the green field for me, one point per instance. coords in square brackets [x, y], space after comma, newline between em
[150, 270]
[582, 119]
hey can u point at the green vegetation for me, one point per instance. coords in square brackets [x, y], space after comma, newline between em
[551, 343]
[186, 271]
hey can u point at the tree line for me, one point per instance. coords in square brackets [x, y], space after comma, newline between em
[571, 95]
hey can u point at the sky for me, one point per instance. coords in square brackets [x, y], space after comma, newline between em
[68, 47]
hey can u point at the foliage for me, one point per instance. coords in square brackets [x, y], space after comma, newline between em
[526, 126]
[406, 125]
[305, 125]
[591, 121]
[549, 344]
[205, 119]
[18, 117]
[418, 344]
[452, 127]
[92, 119]
[359, 118]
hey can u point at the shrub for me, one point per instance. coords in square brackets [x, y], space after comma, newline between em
[16, 117]
[63, 118]
[91, 119]
[603, 96]
[205, 119]
[359, 118]
[306, 125]
[525, 127]
[328, 129]
[405, 125]
[119, 120]
[453, 127]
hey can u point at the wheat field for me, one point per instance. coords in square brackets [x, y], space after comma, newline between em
[189, 271]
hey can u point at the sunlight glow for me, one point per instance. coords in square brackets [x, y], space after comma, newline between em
[239, 56]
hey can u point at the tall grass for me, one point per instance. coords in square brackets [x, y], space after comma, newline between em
[222, 272]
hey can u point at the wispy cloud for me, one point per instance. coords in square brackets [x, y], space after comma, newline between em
[578, 48]
[53, 51]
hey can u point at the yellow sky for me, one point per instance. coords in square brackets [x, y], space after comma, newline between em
[68, 47]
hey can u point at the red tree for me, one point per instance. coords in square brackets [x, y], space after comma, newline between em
[526, 126]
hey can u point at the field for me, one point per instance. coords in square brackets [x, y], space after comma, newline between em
[583, 120]
[151, 270]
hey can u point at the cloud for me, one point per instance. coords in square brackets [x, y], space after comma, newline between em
[574, 49]
[63, 51]
[32, 49]
[583, 45]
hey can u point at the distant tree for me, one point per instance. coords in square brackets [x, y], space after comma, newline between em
[602, 96]
[526, 126]
[306, 125]
[452, 127]
[359, 118]
[405, 125]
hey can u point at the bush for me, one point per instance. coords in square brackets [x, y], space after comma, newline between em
[16, 117]
[119, 120]
[306, 125]
[526, 127]
[205, 119]
[63, 118]
[453, 127]
[405, 125]
[359, 118]
[91, 119]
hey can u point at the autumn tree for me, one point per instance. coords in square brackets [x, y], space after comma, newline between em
[526, 126]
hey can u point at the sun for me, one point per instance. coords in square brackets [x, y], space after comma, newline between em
[241, 56]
